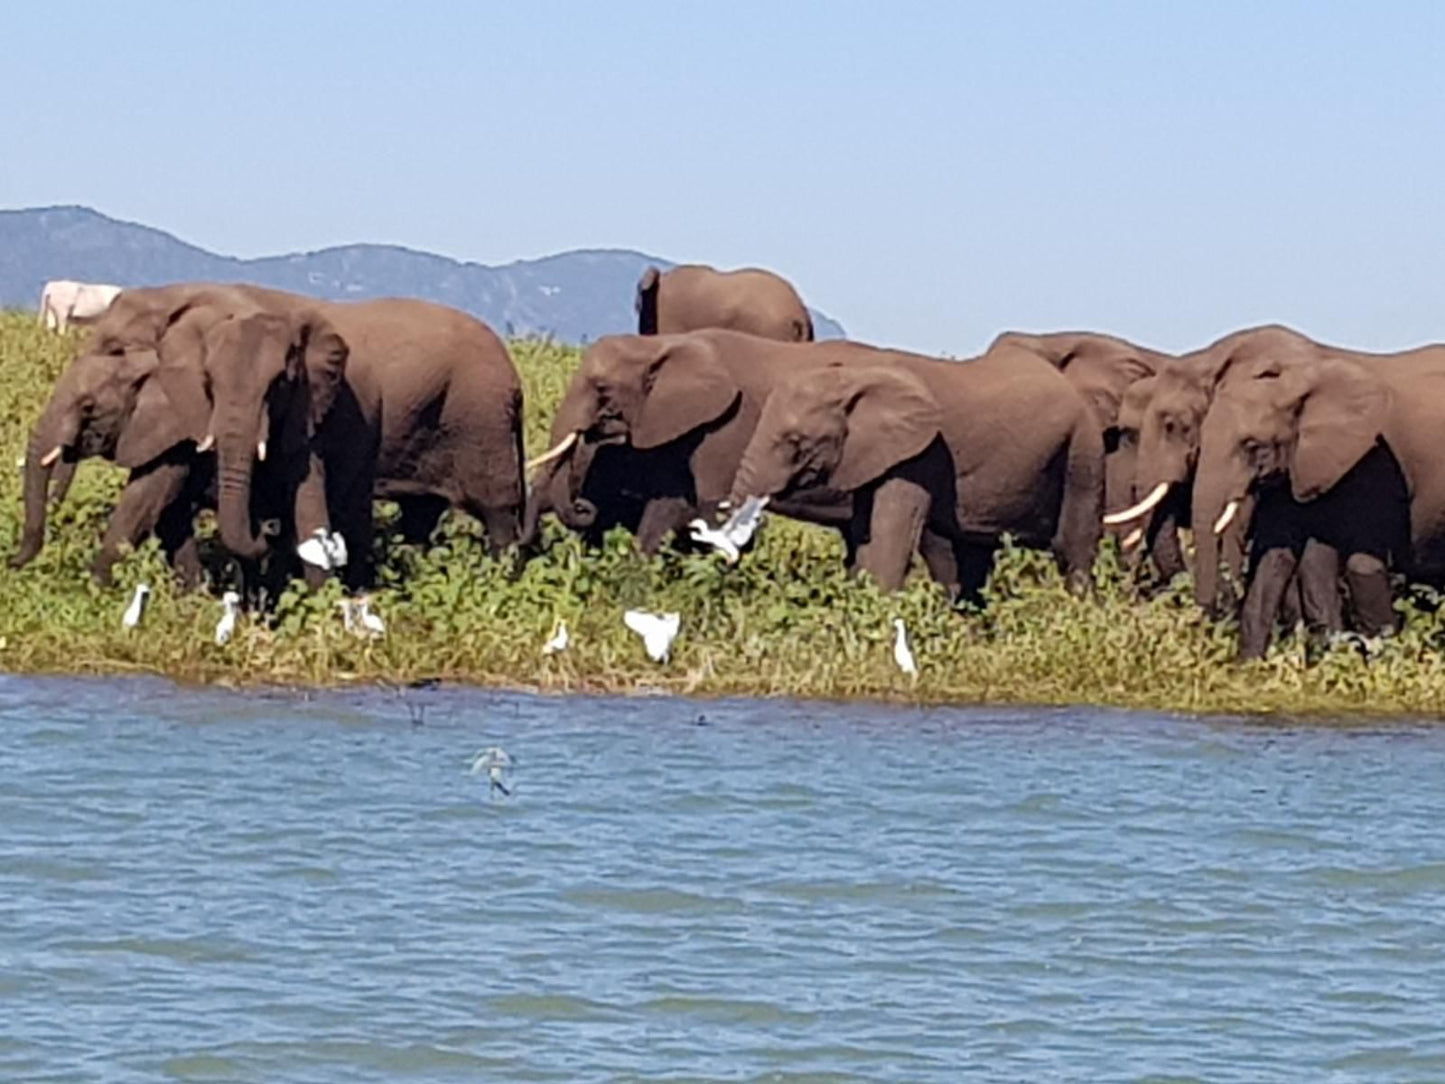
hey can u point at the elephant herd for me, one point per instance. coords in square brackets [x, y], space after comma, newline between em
[1314, 474]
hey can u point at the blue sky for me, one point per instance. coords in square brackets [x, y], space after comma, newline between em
[928, 173]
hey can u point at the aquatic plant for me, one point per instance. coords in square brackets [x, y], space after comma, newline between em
[786, 620]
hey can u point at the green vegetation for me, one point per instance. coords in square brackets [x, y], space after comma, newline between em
[786, 621]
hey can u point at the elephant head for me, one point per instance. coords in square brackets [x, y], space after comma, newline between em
[837, 428]
[1172, 419]
[1273, 422]
[631, 391]
[252, 383]
[102, 405]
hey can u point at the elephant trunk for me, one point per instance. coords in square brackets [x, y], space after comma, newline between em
[56, 432]
[1221, 512]
[235, 464]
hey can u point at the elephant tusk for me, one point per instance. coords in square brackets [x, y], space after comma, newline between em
[561, 449]
[207, 443]
[1226, 517]
[261, 450]
[48, 460]
[1133, 538]
[1143, 508]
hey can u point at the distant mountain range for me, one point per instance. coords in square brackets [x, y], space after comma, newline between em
[573, 296]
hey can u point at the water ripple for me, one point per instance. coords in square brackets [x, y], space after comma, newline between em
[206, 886]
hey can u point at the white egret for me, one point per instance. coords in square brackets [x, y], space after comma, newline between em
[658, 631]
[230, 610]
[137, 608]
[495, 761]
[736, 531]
[559, 641]
[902, 655]
[356, 614]
[324, 549]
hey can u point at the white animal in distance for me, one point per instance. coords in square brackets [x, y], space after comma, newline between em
[658, 631]
[64, 301]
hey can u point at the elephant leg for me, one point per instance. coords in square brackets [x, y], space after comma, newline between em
[142, 502]
[1164, 547]
[899, 508]
[176, 530]
[419, 517]
[941, 559]
[1080, 524]
[975, 563]
[661, 516]
[1369, 580]
[1269, 579]
[504, 526]
[1318, 577]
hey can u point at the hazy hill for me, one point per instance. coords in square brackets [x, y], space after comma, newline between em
[574, 296]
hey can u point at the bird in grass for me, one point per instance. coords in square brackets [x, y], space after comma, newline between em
[495, 761]
[137, 608]
[559, 641]
[230, 610]
[658, 631]
[324, 549]
[736, 531]
[902, 654]
[359, 620]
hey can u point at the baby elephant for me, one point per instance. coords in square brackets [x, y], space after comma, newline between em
[938, 455]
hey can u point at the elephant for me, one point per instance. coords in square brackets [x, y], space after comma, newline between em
[695, 296]
[1175, 401]
[1116, 377]
[63, 302]
[652, 428]
[1325, 457]
[947, 455]
[120, 399]
[392, 398]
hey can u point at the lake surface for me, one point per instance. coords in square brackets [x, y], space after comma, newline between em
[211, 886]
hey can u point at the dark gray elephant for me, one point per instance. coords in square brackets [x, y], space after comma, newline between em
[964, 452]
[428, 410]
[1331, 458]
[652, 428]
[113, 402]
[694, 296]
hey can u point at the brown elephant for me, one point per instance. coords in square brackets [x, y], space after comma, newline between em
[1321, 458]
[394, 398]
[1115, 376]
[950, 455]
[652, 429]
[109, 402]
[694, 296]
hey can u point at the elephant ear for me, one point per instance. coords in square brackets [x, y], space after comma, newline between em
[181, 374]
[152, 429]
[324, 354]
[1104, 383]
[891, 418]
[1341, 415]
[686, 387]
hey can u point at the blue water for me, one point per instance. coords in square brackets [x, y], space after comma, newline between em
[210, 886]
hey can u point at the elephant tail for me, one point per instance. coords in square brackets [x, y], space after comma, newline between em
[1081, 510]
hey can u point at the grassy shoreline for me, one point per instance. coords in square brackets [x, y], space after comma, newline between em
[786, 622]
